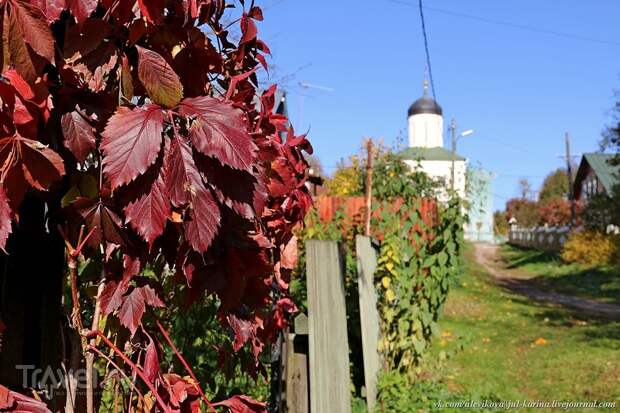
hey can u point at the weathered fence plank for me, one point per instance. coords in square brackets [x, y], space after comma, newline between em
[296, 367]
[366, 266]
[330, 390]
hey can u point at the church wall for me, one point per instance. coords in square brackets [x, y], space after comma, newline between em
[425, 130]
[443, 170]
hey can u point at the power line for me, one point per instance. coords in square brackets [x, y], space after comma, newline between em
[512, 25]
[428, 55]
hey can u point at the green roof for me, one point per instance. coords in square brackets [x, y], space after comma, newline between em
[430, 154]
[606, 173]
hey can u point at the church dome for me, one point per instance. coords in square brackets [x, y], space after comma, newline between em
[425, 104]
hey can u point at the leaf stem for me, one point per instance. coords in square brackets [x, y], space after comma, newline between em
[133, 366]
[187, 368]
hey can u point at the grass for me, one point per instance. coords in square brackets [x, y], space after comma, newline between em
[550, 273]
[501, 346]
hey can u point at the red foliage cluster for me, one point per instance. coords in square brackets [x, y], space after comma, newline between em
[133, 122]
[557, 212]
[14, 402]
[553, 212]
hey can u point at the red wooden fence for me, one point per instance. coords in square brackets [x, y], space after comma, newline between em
[327, 206]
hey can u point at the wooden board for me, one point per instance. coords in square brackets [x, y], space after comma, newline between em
[330, 390]
[369, 316]
[296, 374]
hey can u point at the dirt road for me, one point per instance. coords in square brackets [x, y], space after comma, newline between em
[487, 256]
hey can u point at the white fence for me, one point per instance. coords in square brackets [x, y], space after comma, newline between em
[545, 238]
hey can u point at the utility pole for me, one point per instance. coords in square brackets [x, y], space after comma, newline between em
[369, 156]
[569, 172]
[453, 132]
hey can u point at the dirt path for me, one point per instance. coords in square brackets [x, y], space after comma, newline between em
[487, 256]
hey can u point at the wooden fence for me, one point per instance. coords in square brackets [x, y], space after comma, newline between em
[327, 206]
[316, 350]
[316, 353]
[544, 238]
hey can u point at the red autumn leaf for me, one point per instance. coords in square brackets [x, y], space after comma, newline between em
[6, 400]
[104, 222]
[40, 166]
[288, 254]
[182, 177]
[204, 221]
[219, 131]
[79, 135]
[248, 28]
[151, 362]
[153, 10]
[242, 328]
[15, 51]
[185, 185]
[134, 305]
[25, 117]
[19, 84]
[82, 9]
[131, 141]
[132, 310]
[34, 27]
[113, 291]
[159, 79]
[13, 402]
[256, 13]
[148, 293]
[243, 404]
[51, 8]
[148, 214]
[5, 219]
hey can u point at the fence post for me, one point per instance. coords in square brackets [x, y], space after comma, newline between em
[296, 370]
[330, 389]
[369, 316]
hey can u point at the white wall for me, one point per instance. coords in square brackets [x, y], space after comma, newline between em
[425, 130]
[443, 170]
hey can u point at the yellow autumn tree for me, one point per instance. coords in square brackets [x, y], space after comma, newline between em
[347, 180]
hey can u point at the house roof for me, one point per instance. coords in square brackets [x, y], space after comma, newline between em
[430, 154]
[607, 173]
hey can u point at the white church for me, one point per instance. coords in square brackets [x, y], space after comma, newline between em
[426, 150]
[426, 153]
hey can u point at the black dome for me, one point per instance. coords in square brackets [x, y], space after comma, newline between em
[425, 104]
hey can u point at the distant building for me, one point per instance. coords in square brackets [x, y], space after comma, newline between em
[426, 151]
[480, 200]
[596, 175]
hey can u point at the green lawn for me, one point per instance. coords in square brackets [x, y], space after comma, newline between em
[601, 283]
[498, 345]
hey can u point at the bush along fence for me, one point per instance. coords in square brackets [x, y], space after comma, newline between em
[376, 301]
[545, 238]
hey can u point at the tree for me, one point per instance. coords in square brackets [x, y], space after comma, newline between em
[525, 188]
[524, 211]
[347, 179]
[500, 221]
[555, 186]
[162, 169]
[611, 133]
[557, 212]
[392, 178]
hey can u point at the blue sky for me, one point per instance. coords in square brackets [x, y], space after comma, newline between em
[520, 90]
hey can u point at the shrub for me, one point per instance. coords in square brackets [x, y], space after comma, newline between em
[591, 248]
[398, 394]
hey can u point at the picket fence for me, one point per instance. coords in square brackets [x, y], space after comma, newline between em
[543, 238]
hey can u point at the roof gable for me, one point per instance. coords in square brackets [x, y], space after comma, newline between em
[607, 174]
